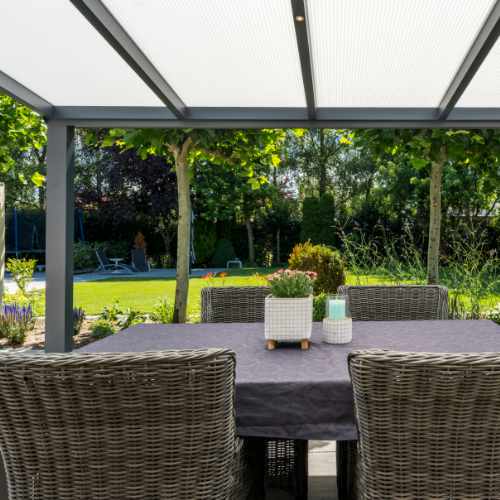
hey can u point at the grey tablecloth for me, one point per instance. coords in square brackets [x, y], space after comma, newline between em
[297, 394]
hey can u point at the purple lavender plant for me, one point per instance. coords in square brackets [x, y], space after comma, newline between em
[15, 322]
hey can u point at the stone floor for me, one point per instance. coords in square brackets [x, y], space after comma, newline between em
[322, 482]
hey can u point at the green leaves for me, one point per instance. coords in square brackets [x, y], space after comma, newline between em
[38, 179]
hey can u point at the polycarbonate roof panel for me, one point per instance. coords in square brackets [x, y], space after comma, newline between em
[49, 47]
[390, 53]
[219, 53]
[484, 89]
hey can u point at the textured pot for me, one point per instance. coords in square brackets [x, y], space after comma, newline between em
[337, 331]
[288, 320]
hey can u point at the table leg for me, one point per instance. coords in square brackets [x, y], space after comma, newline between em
[302, 451]
[346, 469]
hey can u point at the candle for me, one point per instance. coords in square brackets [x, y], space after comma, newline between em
[336, 309]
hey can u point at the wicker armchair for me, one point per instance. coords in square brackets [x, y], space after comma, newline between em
[233, 304]
[121, 426]
[396, 303]
[385, 303]
[285, 460]
[428, 424]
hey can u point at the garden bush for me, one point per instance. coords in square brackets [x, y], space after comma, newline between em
[15, 322]
[102, 328]
[224, 251]
[318, 220]
[129, 318]
[205, 239]
[163, 312]
[325, 262]
[22, 271]
[84, 256]
[319, 307]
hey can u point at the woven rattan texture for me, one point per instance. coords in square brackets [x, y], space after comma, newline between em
[156, 425]
[337, 331]
[429, 425]
[396, 303]
[233, 304]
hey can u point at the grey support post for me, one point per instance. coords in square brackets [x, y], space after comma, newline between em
[59, 240]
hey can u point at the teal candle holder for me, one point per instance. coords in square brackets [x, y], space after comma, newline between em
[337, 307]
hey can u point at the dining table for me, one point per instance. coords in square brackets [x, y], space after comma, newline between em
[299, 394]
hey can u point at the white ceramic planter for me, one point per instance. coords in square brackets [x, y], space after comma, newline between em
[288, 320]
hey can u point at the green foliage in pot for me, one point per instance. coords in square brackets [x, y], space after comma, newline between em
[325, 262]
[291, 284]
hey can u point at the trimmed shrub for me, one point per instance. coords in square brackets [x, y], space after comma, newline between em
[325, 262]
[224, 251]
[318, 220]
[84, 256]
[205, 239]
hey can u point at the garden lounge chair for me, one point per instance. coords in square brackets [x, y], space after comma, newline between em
[121, 426]
[105, 263]
[385, 303]
[285, 460]
[140, 262]
[428, 425]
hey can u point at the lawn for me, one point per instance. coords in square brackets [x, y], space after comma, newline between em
[142, 294]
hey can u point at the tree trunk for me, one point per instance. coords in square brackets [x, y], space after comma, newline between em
[322, 181]
[251, 248]
[435, 219]
[183, 232]
[278, 247]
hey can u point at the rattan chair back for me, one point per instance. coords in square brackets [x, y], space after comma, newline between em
[428, 425]
[397, 303]
[156, 425]
[233, 304]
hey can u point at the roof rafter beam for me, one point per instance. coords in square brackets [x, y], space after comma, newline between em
[480, 48]
[106, 24]
[300, 22]
[26, 96]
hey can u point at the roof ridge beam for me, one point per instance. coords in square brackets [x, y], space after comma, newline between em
[23, 94]
[478, 51]
[301, 32]
[105, 23]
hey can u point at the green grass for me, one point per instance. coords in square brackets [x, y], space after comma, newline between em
[142, 294]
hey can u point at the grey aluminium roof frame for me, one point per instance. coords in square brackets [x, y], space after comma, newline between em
[176, 114]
